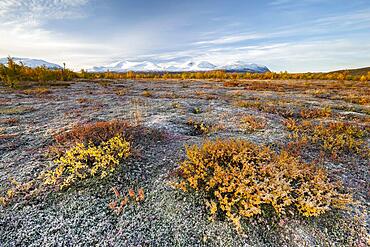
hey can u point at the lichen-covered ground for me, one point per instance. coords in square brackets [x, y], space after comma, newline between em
[80, 216]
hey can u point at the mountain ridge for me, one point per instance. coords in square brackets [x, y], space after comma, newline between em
[31, 62]
[149, 66]
[188, 66]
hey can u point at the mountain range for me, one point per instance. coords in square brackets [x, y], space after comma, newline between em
[148, 66]
[30, 62]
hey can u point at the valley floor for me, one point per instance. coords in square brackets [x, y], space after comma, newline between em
[80, 216]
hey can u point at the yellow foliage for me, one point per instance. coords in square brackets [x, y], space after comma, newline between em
[147, 93]
[202, 128]
[83, 161]
[240, 177]
[334, 137]
[18, 189]
[251, 123]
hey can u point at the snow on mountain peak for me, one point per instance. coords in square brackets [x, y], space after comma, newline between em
[173, 66]
[33, 63]
[149, 66]
[244, 67]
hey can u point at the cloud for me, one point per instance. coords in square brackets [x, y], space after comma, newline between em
[328, 42]
[23, 33]
[292, 3]
[298, 56]
[35, 12]
[230, 39]
[347, 22]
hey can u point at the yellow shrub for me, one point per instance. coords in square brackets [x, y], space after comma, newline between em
[334, 137]
[18, 189]
[83, 161]
[202, 128]
[316, 113]
[251, 123]
[239, 177]
[147, 93]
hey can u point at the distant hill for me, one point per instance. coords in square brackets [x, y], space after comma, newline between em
[30, 62]
[353, 72]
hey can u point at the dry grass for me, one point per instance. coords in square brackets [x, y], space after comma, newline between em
[10, 121]
[15, 110]
[7, 136]
[122, 199]
[37, 91]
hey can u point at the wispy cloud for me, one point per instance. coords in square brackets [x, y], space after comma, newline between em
[292, 3]
[231, 39]
[328, 25]
[22, 29]
[35, 12]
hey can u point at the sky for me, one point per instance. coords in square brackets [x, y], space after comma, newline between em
[284, 35]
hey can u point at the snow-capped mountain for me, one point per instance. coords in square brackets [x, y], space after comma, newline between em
[29, 62]
[240, 66]
[146, 66]
[187, 66]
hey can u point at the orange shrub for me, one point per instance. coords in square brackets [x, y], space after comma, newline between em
[93, 132]
[315, 113]
[239, 178]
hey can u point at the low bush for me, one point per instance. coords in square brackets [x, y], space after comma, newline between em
[84, 161]
[196, 110]
[96, 132]
[333, 137]
[202, 128]
[17, 190]
[86, 151]
[315, 113]
[239, 178]
[250, 123]
[147, 93]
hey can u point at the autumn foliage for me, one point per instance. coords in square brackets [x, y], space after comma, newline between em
[333, 137]
[13, 73]
[239, 178]
[84, 161]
